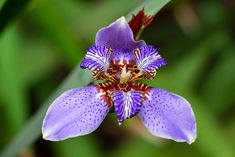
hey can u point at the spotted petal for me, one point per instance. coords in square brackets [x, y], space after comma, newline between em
[76, 112]
[148, 60]
[169, 116]
[127, 104]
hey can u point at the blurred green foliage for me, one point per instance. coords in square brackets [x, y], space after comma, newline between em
[42, 41]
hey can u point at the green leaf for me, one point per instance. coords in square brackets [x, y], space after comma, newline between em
[135, 147]
[151, 7]
[10, 10]
[219, 88]
[2, 3]
[32, 129]
[49, 18]
[212, 138]
[43, 61]
[82, 146]
[12, 85]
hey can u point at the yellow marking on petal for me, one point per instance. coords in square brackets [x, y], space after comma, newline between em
[136, 76]
[125, 75]
[110, 51]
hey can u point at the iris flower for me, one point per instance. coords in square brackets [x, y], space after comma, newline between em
[121, 61]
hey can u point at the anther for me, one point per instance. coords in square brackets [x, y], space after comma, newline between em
[125, 75]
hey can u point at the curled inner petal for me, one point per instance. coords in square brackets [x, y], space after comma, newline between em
[148, 60]
[118, 36]
[97, 59]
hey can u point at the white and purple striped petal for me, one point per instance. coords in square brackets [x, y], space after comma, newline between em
[169, 116]
[76, 112]
[148, 60]
[126, 104]
[97, 58]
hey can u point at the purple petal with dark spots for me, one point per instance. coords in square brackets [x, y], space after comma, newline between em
[169, 116]
[127, 104]
[76, 112]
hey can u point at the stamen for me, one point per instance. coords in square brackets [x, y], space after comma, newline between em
[125, 75]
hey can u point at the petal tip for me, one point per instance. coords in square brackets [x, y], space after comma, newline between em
[119, 123]
[48, 135]
[192, 137]
[45, 137]
[191, 141]
[122, 21]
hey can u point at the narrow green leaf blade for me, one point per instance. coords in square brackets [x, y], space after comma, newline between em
[151, 7]
[49, 18]
[11, 82]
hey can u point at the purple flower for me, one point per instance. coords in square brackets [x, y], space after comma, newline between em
[121, 61]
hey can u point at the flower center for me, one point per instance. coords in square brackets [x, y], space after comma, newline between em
[123, 72]
[125, 75]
